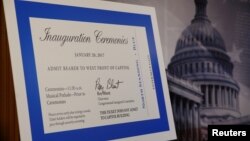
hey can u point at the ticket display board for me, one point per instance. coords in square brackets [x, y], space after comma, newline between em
[88, 71]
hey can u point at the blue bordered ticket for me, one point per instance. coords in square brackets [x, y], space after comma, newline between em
[88, 70]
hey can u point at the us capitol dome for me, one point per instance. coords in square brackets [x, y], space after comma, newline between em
[201, 58]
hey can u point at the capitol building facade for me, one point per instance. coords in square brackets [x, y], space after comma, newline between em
[202, 88]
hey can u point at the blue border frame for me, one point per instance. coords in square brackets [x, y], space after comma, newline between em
[24, 10]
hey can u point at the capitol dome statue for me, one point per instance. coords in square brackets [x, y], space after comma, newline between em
[201, 57]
